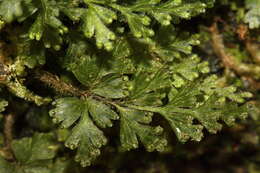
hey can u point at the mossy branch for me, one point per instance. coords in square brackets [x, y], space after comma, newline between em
[249, 71]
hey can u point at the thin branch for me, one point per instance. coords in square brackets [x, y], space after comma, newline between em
[253, 83]
[9, 120]
[254, 50]
[250, 71]
[242, 31]
[8, 129]
[251, 47]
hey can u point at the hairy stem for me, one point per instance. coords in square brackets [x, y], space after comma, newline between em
[66, 89]
[58, 85]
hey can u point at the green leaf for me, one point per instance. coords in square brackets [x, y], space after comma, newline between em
[39, 167]
[2, 23]
[138, 20]
[101, 80]
[84, 135]
[187, 104]
[62, 165]
[187, 69]
[3, 104]
[171, 43]
[232, 111]
[182, 125]
[149, 99]
[47, 25]
[88, 138]
[121, 48]
[177, 113]
[110, 86]
[40, 164]
[5, 166]
[37, 148]
[50, 11]
[95, 19]
[36, 169]
[184, 106]
[163, 12]
[37, 28]
[138, 23]
[71, 9]
[29, 9]
[74, 14]
[133, 127]
[210, 86]
[88, 70]
[32, 54]
[33, 154]
[145, 82]
[102, 114]
[10, 9]
[208, 114]
[77, 48]
[211, 111]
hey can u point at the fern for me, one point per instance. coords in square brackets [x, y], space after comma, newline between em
[108, 62]
[137, 92]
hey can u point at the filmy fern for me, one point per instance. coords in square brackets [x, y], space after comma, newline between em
[126, 62]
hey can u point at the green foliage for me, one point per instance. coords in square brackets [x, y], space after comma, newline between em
[96, 18]
[117, 72]
[85, 134]
[11, 9]
[33, 154]
[3, 104]
[139, 93]
[253, 15]
[133, 127]
[248, 12]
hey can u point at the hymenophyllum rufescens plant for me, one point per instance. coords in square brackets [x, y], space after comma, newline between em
[105, 62]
